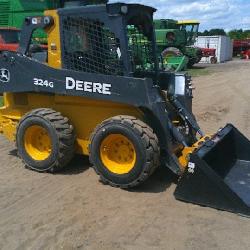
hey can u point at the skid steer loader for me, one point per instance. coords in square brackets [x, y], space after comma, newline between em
[99, 91]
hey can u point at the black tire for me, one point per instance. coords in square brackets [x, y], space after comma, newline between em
[60, 132]
[199, 55]
[171, 51]
[146, 147]
[191, 62]
[213, 60]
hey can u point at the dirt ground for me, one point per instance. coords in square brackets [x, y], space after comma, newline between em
[72, 210]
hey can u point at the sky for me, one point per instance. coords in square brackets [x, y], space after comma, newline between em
[226, 14]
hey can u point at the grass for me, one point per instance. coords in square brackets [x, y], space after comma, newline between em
[199, 71]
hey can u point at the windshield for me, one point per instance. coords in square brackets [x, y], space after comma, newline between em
[192, 32]
[90, 46]
[10, 36]
[196, 28]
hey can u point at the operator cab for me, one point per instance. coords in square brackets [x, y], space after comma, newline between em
[112, 39]
[192, 28]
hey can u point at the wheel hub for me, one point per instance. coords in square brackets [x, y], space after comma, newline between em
[37, 143]
[118, 154]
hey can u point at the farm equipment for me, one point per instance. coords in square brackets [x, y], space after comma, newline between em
[13, 12]
[9, 38]
[174, 62]
[245, 54]
[169, 41]
[100, 92]
[210, 54]
[175, 40]
[192, 52]
[240, 46]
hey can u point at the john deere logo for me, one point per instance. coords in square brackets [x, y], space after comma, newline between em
[4, 75]
[191, 167]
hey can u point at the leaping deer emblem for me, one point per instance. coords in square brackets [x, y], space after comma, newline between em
[4, 75]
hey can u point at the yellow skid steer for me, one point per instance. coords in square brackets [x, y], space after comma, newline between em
[99, 90]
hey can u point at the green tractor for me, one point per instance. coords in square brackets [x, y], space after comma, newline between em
[13, 12]
[191, 27]
[175, 40]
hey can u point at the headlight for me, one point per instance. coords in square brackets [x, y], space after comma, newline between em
[124, 9]
[180, 85]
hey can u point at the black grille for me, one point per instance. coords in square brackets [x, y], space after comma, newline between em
[89, 46]
[4, 13]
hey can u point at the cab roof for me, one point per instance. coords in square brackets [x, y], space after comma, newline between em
[111, 9]
[188, 22]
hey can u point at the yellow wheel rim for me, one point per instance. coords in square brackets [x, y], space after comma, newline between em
[37, 143]
[118, 154]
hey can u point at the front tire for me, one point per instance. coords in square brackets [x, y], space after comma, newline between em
[45, 140]
[124, 151]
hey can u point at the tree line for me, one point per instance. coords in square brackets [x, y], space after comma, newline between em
[233, 34]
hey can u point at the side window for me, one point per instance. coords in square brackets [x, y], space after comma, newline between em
[39, 36]
[89, 46]
[38, 48]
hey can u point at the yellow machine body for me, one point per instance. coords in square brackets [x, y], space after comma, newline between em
[93, 112]
[84, 114]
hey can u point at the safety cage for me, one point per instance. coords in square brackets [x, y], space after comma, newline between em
[93, 41]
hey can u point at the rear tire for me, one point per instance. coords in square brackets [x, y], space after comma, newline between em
[213, 60]
[171, 51]
[124, 151]
[191, 62]
[45, 140]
